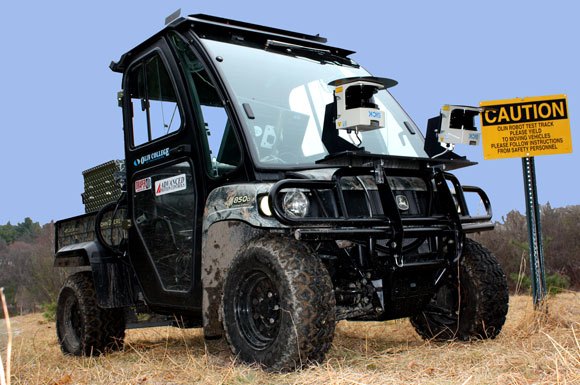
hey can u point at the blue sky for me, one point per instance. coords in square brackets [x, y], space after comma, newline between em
[59, 116]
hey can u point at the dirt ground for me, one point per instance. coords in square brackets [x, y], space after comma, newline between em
[533, 348]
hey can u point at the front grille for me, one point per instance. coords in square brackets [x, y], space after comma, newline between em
[358, 200]
[413, 191]
[362, 197]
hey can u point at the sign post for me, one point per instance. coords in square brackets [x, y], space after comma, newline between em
[524, 128]
[534, 231]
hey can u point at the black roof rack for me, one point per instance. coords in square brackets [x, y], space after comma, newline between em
[256, 27]
[221, 28]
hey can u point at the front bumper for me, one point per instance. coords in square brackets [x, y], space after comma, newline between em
[450, 215]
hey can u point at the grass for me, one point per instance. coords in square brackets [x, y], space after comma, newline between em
[534, 348]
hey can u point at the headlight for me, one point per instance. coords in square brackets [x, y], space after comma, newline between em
[265, 205]
[295, 204]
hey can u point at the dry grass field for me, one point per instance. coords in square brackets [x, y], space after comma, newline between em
[534, 348]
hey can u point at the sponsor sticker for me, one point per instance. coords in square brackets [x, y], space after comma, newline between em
[170, 185]
[154, 156]
[142, 185]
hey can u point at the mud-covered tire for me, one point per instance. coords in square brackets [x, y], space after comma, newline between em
[83, 328]
[482, 294]
[278, 307]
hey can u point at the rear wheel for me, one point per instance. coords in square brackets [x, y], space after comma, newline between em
[278, 305]
[83, 328]
[471, 306]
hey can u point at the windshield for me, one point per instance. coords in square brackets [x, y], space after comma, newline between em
[284, 99]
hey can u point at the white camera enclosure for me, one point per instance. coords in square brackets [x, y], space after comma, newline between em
[457, 125]
[355, 105]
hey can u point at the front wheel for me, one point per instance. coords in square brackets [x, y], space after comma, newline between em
[278, 305]
[83, 328]
[473, 304]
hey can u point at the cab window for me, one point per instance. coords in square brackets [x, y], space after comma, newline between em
[221, 147]
[153, 101]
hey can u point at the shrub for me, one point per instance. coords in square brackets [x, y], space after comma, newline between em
[555, 282]
[49, 311]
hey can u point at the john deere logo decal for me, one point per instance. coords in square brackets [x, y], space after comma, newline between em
[402, 202]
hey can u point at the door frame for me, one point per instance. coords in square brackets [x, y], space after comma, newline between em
[170, 149]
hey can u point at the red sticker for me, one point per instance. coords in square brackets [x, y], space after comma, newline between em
[142, 185]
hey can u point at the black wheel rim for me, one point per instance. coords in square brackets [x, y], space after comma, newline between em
[257, 309]
[73, 321]
[445, 310]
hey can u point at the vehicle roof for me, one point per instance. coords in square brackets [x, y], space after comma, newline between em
[227, 30]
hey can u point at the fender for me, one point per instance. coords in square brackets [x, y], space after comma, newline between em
[230, 220]
[237, 202]
[75, 255]
[223, 241]
[111, 276]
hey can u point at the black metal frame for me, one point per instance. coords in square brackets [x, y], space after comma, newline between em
[392, 224]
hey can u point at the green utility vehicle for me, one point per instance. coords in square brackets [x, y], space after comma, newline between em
[270, 188]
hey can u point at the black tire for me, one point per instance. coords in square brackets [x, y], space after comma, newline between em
[482, 294]
[83, 328]
[278, 308]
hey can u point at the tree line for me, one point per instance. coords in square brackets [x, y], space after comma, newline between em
[560, 237]
[26, 266]
[30, 280]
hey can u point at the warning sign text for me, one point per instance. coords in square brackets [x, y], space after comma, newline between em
[525, 127]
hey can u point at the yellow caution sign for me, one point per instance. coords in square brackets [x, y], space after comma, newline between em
[524, 127]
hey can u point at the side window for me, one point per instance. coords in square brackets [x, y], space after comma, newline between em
[153, 101]
[222, 150]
